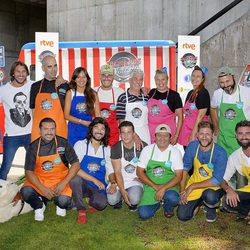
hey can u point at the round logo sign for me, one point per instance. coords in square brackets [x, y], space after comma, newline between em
[136, 113]
[155, 110]
[105, 113]
[158, 171]
[81, 107]
[230, 114]
[130, 168]
[46, 104]
[2, 75]
[189, 60]
[93, 167]
[47, 166]
[203, 172]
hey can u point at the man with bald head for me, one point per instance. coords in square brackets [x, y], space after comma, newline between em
[47, 98]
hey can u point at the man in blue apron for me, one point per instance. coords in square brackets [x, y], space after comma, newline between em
[239, 161]
[209, 161]
[125, 159]
[160, 169]
[94, 156]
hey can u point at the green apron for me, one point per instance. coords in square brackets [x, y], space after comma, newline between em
[230, 115]
[159, 172]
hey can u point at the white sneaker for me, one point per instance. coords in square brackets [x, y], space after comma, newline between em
[60, 211]
[39, 213]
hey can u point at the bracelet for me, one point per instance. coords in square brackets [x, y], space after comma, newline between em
[79, 121]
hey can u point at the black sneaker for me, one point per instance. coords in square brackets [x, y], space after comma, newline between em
[118, 205]
[241, 217]
[132, 208]
[211, 215]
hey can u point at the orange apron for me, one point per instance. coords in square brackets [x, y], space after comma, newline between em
[48, 105]
[50, 170]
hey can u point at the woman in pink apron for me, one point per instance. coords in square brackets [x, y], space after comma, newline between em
[164, 105]
[196, 107]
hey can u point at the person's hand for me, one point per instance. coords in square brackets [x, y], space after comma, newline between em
[191, 138]
[125, 197]
[157, 187]
[59, 81]
[59, 187]
[232, 198]
[138, 142]
[184, 195]
[173, 140]
[137, 179]
[145, 90]
[159, 194]
[99, 184]
[112, 189]
[48, 193]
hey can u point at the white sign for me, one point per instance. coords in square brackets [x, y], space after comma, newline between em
[2, 57]
[46, 44]
[188, 57]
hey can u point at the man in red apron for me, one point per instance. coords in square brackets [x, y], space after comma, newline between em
[108, 96]
[47, 171]
[239, 161]
[47, 100]
[209, 161]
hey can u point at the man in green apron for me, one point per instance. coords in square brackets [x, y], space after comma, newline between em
[239, 161]
[160, 170]
[209, 161]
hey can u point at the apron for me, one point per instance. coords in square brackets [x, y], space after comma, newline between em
[77, 132]
[230, 115]
[137, 113]
[190, 115]
[160, 173]
[108, 112]
[201, 173]
[246, 172]
[160, 113]
[95, 166]
[129, 170]
[48, 105]
[50, 170]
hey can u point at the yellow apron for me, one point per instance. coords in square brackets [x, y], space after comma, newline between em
[246, 172]
[201, 173]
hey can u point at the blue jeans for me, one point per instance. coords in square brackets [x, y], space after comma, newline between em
[209, 197]
[10, 146]
[171, 199]
[30, 195]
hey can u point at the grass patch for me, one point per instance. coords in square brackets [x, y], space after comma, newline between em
[121, 229]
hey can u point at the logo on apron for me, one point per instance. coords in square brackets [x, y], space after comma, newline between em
[158, 171]
[203, 172]
[155, 110]
[105, 113]
[46, 104]
[136, 113]
[81, 107]
[230, 114]
[130, 168]
[47, 165]
[187, 112]
[93, 167]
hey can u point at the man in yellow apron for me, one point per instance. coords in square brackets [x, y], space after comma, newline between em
[209, 161]
[160, 170]
[239, 161]
[47, 171]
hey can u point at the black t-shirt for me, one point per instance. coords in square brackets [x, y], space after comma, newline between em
[174, 99]
[48, 87]
[202, 100]
[65, 150]
[116, 152]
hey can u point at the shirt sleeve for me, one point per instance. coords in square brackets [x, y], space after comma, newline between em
[177, 101]
[220, 163]
[30, 158]
[121, 108]
[214, 101]
[79, 149]
[144, 157]
[33, 93]
[203, 99]
[109, 167]
[116, 151]
[70, 153]
[230, 169]
[178, 162]
[188, 158]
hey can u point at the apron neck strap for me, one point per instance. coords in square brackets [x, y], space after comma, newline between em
[152, 152]
[41, 84]
[169, 155]
[211, 154]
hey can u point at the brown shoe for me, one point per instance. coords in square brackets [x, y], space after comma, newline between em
[168, 215]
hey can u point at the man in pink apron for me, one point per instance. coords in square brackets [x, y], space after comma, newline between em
[108, 96]
[239, 161]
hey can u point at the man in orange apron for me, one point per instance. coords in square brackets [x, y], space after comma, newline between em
[239, 161]
[47, 100]
[47, 171]
[209, 161]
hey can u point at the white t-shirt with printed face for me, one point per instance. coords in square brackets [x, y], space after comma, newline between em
[234, 164]
[106, 95]
[18, 116]
[244, 94]
[176, 157]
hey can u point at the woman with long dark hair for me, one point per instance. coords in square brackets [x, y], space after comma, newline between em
[196, 107]
[81, 104]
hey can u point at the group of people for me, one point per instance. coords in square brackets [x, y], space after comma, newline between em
[110, 145]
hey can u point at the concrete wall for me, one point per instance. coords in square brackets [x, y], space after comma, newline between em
[18, 24]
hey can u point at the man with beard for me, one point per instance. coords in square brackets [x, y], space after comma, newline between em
[209, 161]
[17, 131]
[47, 99]
[239, 161]
[233, 105]
[94, 156]
[108, 96]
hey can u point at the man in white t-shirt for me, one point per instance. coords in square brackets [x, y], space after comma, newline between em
[239, 161]
[230, 104]
[160, 169]
[108, 96]
[18, 118]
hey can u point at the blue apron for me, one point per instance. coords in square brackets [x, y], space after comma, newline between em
[95, 166]
[77, 132]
